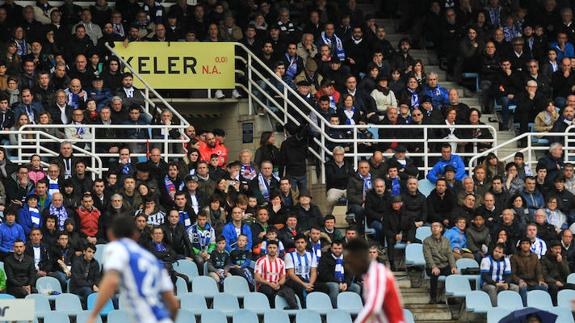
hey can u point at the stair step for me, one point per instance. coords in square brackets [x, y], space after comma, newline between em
[438, 312]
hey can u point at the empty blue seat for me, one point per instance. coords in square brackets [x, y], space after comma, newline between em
[563, 314]
[245, 316]
[91, 302]
[57, 317]
[256, 302]
[226, 303]
[42, 304]
[237, 286]
[99, 255]
[181, 286]
[281, 303]
[466, 263]
[349, 302]
[338, 316]
[414, 255]
[474, 76]
[307, 316]
[564, 298]
[496, 314]
[83, 317]
[425, 186]
[319, 302]
[68, 303]
[194, 303]
[204, 285]
[539, 299]
[276, 316]
[422, 232]
[185, 316]
[509, 300]
[118, 316]
[457, 286]
[408, 316]
[46, 285]
[7, 296]
[214, 316]
[478, 301]
[571, 278]
[186, 267]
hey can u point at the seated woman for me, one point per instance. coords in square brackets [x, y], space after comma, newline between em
[477, 133]
[545, 119]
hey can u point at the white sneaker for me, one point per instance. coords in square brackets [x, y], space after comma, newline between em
[219, 94]
[236, 94]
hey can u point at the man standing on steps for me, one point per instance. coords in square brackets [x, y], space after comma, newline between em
[382, 299]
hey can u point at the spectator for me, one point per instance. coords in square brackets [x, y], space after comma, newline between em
[234, 228]
[478, 238]
[496, 273]
[270, 276]
[332, 276]
[85, 274]
[29, 216]
[175, 234]
[439, 258]
[527, 271]
[301, 266]
[447, 158]
[202, 237]
[10, 232]
[88, 219]
[440, 203]
[20, 272]
[219, 261]
[39, 251]
[555, 270]
[458, 239]
[357, 188]
[397, 227]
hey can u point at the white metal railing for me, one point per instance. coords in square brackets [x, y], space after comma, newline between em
[36, 145]
[258, 76]
[531, 149]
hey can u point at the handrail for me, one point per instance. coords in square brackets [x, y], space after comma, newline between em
[148, 87]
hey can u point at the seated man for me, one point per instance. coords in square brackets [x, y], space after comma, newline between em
[39, 251]
[270, 276]
[376, 203]
[301, 266]
[10, 231]
[202, 237]
[61, 256]
[526, 269]
[85, 274]
[440, 203]
[20, 272]
[478, 237]
[496, 274]
[538, 246]
[555, 270]
[447, 158]
[332, 277]
[439, 259]
[357, 187]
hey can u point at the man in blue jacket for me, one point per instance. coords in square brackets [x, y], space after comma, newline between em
[533, 198]
[447, 158]
[233, 229]
[29, 216]
[439, 95]
[10, 231]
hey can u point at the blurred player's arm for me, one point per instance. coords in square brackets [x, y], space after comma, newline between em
[107, 287]
[171, 303]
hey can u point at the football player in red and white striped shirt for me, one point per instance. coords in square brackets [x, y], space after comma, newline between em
[381, 297]
[270, 275]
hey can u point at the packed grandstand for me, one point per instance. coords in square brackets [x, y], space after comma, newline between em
[352, 116]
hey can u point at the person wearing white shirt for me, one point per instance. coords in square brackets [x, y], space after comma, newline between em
[301, 267]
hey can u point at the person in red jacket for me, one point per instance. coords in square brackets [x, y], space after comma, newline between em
[382, 299]
[88, 219]
[212, 146]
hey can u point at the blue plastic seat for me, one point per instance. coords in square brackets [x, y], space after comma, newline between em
[338, 316]
[276, 316]
[571, 278]
[181, 286]
[349, 302]
[257, 302]
[564, 315]
[425, 186]
[237, 286]
[7, 296]
[400, 246]
[214, 316]
[466, 263]
[307, 316]
[118, 316]
[478, 301]
[205, 286]
[422, 232]
[68, 303]
[194, 303]
[281, 303]
[244, 316]
[83, 317]
[509, 300]
[457, 286]
[539, 299]
[226, 303]
[564, 298]
[474, 76]
[91, 302]
[186, 267]
[99, 255]
[42, 304]
[408, 316]
[57, 317]
[319, 302]
[496, 314]
[185, 316]
[414, 255]
[46, 285]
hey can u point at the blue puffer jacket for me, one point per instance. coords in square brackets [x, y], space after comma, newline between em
[439, 96]
[9, 234]
[457, 238]
[229, 233]
[438, 169]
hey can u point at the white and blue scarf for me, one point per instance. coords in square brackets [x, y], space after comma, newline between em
[61, 214]
[336, 48]
[339, 271]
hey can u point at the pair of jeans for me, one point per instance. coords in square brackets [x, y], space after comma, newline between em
[332, 289]
[298, 181]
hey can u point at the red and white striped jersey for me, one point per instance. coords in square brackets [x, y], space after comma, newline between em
[382, 300]
[271, 271]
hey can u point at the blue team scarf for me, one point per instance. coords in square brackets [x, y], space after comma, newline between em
[126, 169]
[61, 214]
[53, 186]
[395, 187]
[339, 271]
[202, 237]
[185, 219]
[316, 247]
[35, 216]
[366, 183]
[160, 247]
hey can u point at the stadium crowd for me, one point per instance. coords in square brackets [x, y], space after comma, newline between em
[243, 217]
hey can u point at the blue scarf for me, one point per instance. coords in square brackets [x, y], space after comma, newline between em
[264, 186]
[126, 169]
[338, 271]
[61, 214]
[185, 219]
[291, 70]
[160, 247]
[366, 183]
[316, 247]
[335, 44]
[202, 237]
[35, 216]
[395, 187]
[53, 187]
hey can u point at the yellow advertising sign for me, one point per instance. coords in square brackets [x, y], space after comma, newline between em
[181, 65]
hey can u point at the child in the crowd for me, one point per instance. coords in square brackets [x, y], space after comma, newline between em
[240, 259]
[219, 261]
[272, 234]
